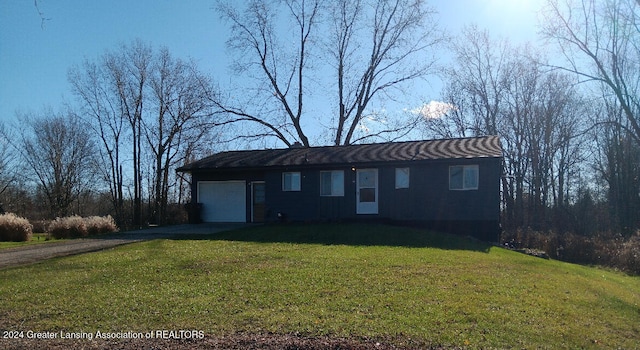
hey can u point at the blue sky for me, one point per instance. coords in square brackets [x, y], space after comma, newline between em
[35, 58]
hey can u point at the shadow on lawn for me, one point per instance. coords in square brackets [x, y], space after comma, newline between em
[355, 234]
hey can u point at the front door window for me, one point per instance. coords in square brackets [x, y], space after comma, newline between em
[367, 191]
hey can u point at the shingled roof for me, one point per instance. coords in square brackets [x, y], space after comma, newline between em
[460, 148]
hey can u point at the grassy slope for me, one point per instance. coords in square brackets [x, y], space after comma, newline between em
[382, 282]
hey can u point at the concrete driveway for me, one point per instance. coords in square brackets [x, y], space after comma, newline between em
[38, 252]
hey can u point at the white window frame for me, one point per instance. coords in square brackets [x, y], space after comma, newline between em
[294, 181]
[403, 178]
[468, 184]
[336, 183]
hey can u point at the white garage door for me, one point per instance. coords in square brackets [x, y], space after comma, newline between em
[223, 201]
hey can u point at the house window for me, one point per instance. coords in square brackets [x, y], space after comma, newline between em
[332, 183]
[463, 177]
[291, 181]
[402, 178]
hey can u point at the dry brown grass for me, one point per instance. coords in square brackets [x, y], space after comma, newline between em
[603, 249]
[76, 226]
[97, 225]
[14, 228]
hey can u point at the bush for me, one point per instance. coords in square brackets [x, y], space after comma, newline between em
[629, 257]
[176, 214]
[40, 226]
[76, 226]
[604, 249]
[14, 228]
[68, 227]
[100, 224]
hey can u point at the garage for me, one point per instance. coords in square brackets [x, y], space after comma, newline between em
[223, 201]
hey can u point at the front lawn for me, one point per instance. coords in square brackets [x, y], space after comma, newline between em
[394, 284]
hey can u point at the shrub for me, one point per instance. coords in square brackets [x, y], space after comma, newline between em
[604, 249]
[628, 257]
[176, 214]
[14, 228]
[40, 226]
[68, 227]
[100, 224]
[76, 226]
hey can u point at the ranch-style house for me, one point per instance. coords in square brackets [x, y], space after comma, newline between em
[450, 185]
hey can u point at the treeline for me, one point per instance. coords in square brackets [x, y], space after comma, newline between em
[569, 119]
[139, 114]
[571, 151]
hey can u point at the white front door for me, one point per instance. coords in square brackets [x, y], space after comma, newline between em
[367, 191]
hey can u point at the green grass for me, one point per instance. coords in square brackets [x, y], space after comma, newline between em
[37, 238]
[388, 283]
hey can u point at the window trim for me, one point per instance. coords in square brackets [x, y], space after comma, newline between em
[408, 174]
[293, 187]
[464, 175]
[332, 194]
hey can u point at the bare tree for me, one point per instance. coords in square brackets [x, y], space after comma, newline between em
[600, 42]
[180, 95]
[543, 124]
[375, 49]
[395, 37]
[58, 151]
[95, 85]
[481, 74]
[132, 65]
[476, 85]
[156, 106]
[14, 196]
[450, 119]
[8, 171]
[618, 164]
[494, 88]
[278, 65]
[113, 93]
[43, 19]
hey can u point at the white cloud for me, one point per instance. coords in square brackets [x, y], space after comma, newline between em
[368, 121]
[433, 109]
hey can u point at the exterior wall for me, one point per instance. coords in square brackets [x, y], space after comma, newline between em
[429, 198]
[427, 202]
[292, 205]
